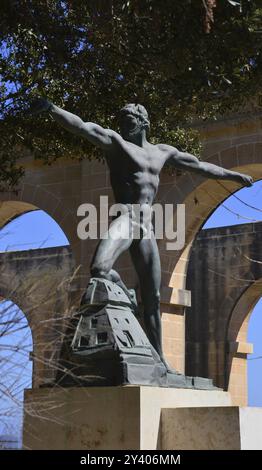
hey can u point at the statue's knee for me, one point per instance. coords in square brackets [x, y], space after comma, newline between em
[99, 270]
[152, 300]
[156, 296]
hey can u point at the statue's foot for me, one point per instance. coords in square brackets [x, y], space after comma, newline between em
[169, 369]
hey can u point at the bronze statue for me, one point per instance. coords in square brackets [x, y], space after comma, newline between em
[134, 166]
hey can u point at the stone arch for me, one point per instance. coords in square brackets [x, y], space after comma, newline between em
[49, 189]
[30, 198]
[58, 190]
[10, 210]
[38, 281]
[243, 309]
[236, 146]
[201, 198]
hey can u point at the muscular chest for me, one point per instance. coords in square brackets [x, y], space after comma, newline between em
[130, 160]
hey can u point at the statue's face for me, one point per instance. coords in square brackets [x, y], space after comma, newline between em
[130, 126]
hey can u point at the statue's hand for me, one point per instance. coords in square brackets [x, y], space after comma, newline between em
[246, 180]
[40, 105]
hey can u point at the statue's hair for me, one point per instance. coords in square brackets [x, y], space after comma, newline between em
[137, 110]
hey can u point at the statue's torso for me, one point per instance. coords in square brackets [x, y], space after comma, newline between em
[134, 172]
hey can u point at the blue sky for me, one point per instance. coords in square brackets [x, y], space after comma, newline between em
[232, 211]
[38, 230]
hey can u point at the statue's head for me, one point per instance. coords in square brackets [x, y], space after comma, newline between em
[133, 120]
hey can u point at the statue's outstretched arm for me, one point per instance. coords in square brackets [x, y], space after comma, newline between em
[186, 161]
[96, 134]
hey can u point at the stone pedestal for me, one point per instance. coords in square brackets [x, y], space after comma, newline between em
[211, 428]
[124, 417]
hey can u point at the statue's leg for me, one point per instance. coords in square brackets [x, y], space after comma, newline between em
[117, 239]
[145, 257]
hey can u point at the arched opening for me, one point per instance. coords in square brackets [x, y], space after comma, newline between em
[201, 199]
[226, 255]
[31, 230]
[242, 207]
[16, 346]
[36, 266]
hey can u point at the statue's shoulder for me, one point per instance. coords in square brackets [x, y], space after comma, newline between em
[163, 146]
[115, 136]
[167, 149]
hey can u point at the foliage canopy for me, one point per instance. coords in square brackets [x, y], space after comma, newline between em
[92, 57]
